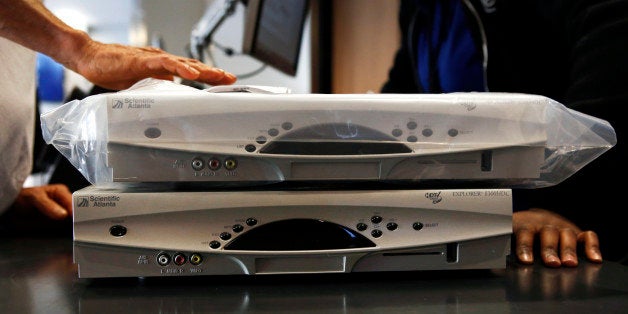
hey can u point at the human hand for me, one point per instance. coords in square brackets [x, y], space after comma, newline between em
[117, 67]
[112, 66]
[53, 201]
[558, 238]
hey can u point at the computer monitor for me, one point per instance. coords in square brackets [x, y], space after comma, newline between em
[273, 30]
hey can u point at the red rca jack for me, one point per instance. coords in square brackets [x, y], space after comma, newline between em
[196, 259]
[179, 259]
[213, 164]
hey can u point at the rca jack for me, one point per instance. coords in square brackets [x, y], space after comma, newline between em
[231, 164]
[196, 259]
[179, 259]
[198, 164]
[163, 259]
[213, 164]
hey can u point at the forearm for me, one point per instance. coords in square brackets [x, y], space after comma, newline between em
[30, 24]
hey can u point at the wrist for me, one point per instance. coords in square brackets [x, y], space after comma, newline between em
[72, 46]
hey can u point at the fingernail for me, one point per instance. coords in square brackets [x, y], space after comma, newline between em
[525, 258]
[61, 213]
[552, 261]
[570, 261]
[597, 257]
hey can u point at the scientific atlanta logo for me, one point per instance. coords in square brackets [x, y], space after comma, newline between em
[117, 104]
[132, 103]
[82, 201]
[96, 201]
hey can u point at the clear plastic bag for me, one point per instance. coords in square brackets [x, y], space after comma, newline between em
[161, 131]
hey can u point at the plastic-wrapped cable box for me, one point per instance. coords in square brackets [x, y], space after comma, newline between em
[161, 131]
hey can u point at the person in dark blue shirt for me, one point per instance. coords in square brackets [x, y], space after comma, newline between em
[572, 51]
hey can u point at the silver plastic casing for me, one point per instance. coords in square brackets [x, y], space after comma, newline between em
[159, 131]
[120, 232]
[257, 137]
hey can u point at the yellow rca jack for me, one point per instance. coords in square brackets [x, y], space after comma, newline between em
[196, 259]
[231, 164]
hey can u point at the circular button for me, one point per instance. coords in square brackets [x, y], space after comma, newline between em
[427, 132]
[412, 139]
[391, 226]
[117, 231]
[250, 148]
[251, 222]
[376, 219]
[397, 132]
[273, 132]
[452, 132]
[152, 132]
[237, 228]
[225, 236]
[287, 126]
[361, 226]
[376, 233]
[261, 140]
[411, 125]
[214, 244]
[417, 226]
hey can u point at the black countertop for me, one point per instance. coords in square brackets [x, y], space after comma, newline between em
[37, 275]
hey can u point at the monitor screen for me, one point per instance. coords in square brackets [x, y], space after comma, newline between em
[273, 30]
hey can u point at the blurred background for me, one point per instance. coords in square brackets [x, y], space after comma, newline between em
[347, 46]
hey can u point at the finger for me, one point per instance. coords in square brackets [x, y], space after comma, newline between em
[167, 77]
[216, 77]
[174, 66]
[524, 245]
[152, 49]
[49, 207]
[186, 70]
[550, 236]
[191, 69]
[591, 246]
[62, 196]
[568, 247]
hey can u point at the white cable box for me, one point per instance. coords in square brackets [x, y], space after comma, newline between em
[139, 232]
[164, 132]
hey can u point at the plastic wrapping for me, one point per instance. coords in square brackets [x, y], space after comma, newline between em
[161, 131]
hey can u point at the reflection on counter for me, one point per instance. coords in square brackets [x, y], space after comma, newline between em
[38, 276]
[328, 293]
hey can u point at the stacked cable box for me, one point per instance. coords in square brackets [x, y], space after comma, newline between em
[257, 180]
